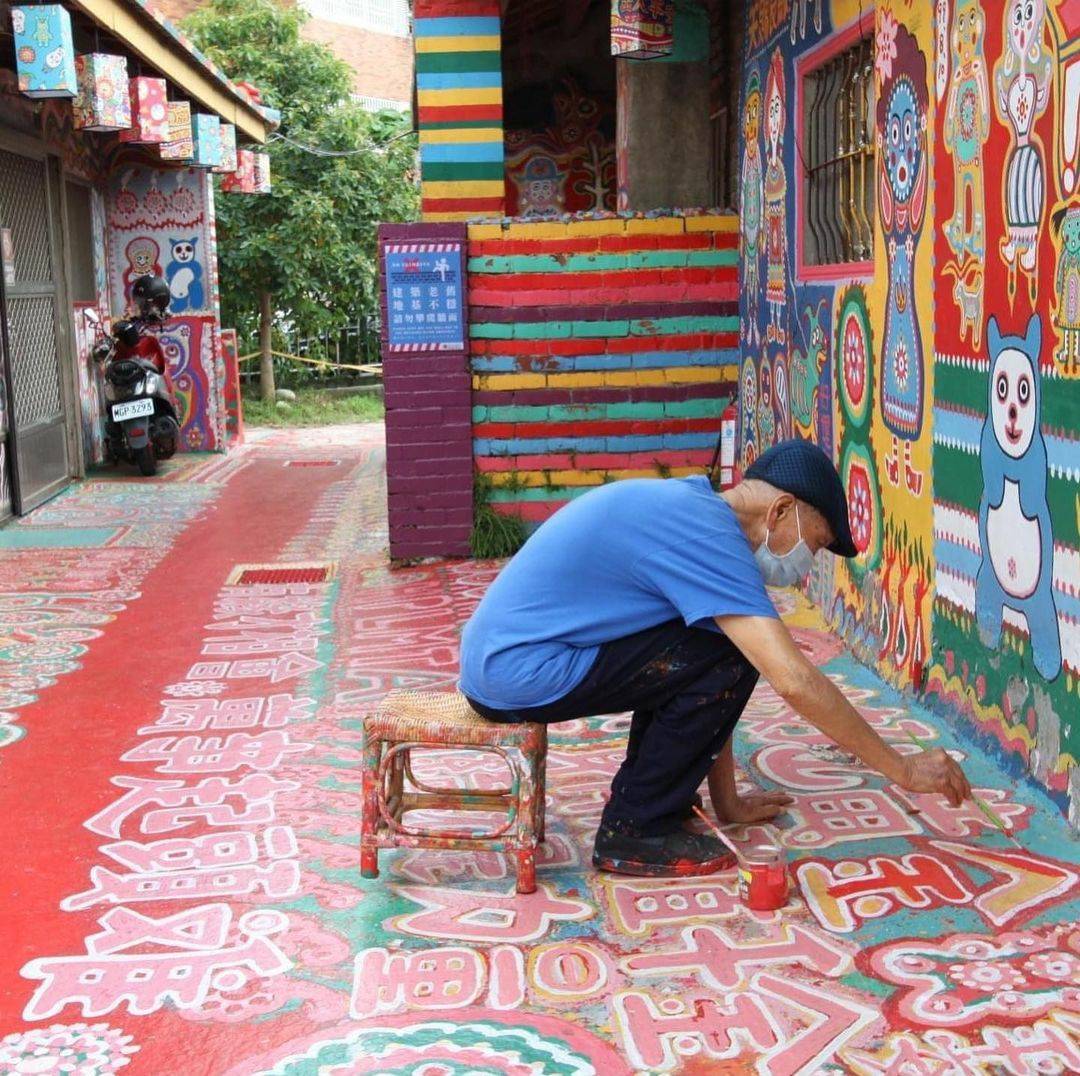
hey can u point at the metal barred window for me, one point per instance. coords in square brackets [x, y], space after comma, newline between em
[838, 157]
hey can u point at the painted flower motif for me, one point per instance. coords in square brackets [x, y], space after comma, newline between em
[885, 52]
[902, 365]
[987, 975]
[909, 247]
[71, 1049]
[1057, 967]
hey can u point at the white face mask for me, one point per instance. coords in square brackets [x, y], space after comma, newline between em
[786, 570]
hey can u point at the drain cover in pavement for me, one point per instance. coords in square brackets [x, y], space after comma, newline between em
[252, 574]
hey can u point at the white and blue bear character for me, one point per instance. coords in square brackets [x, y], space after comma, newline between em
[184, 274]
[1015, 529]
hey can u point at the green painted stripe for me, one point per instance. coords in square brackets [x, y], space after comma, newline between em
[646, 409]
[958, 480]
[537, 493]
[573, 330]
[461, 125]
[460, 170]
[605, 263]
[441, 62]
[968, 388]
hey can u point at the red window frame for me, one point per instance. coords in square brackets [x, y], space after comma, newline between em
[807, 64]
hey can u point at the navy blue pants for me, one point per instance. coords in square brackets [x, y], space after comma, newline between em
[687, 687]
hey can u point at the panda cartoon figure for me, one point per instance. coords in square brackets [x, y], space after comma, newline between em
[184, 274]
[1015, 529]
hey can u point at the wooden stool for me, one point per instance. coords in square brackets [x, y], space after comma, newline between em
[408, 721]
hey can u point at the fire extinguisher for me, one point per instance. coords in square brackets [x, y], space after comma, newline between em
[724, 456]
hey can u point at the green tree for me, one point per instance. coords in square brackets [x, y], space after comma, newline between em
[304, 256]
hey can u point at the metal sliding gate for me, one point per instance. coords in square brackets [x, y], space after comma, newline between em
[36, 419]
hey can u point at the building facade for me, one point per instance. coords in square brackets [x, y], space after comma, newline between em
[905, 267]
[910, 224]
[82, 214]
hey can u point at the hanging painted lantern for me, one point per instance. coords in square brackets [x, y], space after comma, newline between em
[229, 162]
[44, 51]
[242, 181]
[642, 29]
[261, 183]
[207, 137]
[149, 112]
[103, 102]
[181, 145]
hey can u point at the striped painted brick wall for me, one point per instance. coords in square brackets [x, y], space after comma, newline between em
[459, 109]
[599, 349]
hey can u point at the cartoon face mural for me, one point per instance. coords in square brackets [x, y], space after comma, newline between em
[901, 118]
[751, 208]
[1015, 528]
[142, 256]
[806, 371]
[185, 276]
[1021, 93]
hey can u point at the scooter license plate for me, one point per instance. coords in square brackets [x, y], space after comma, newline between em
[121, 412]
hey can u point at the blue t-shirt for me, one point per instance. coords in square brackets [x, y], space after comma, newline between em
[624, 557]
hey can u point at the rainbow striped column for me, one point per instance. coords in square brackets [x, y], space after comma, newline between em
[460, 110]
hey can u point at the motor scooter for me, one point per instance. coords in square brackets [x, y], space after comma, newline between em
[142, 424]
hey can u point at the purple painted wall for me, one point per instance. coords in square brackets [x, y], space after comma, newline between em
[428, 429]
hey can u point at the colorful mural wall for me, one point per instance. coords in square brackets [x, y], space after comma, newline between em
[162, 222]
[568, 167]
[943, 375]
[600, 349]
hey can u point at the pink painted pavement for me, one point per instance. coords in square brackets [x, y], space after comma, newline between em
[179, 782]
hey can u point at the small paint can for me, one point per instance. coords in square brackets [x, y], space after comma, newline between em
[763, 878]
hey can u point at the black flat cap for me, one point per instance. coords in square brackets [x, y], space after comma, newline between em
[800, 468]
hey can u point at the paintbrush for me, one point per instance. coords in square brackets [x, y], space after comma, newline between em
[983, 806]
[717, 830]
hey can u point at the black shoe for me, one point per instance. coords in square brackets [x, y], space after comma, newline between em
[670, 855]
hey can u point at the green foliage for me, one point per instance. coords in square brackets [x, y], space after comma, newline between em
[494, 535]
[312, 242]
[314, 408]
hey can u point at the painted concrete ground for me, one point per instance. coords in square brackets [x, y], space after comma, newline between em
[179, 791]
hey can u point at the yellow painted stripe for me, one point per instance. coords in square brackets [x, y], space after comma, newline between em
[681, 375]
[466, 188]
[728, 222]
[485, 231]
[476, 43]
[481, 95]
[582, 228]
[581, 478]
[655, 226]
[462, 134]
[443, 217]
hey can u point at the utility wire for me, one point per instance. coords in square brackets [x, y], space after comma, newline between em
[320, 151]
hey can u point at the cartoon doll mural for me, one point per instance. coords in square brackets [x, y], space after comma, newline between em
[748, 400]
[967, 125]
[901, 134]
[1067, 289]
[1021, 90]
[775, 202]
[142, 255]
[766, 416]
[1015, 530]
[751, 206]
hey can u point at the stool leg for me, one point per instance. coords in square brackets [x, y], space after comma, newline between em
[541, 788]
[526, 870]
[369, 849]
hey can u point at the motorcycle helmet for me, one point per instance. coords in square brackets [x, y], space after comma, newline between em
[152, 295]
[127, 332]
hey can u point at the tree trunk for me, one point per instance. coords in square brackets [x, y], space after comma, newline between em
[266, 362]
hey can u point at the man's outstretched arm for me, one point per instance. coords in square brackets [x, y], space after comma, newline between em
[768, 646]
